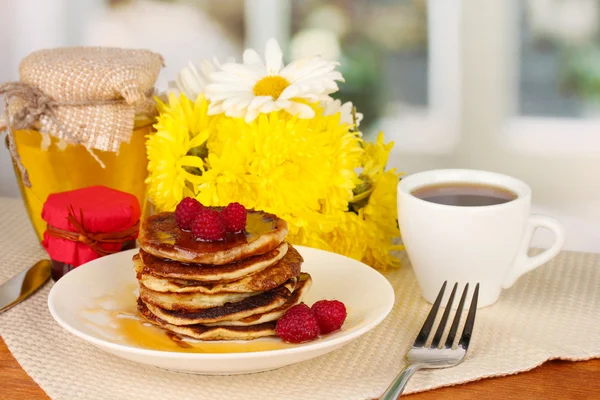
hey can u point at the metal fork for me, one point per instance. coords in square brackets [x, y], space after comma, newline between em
[436, 356]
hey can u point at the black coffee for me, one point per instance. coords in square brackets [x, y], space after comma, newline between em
[464, 194]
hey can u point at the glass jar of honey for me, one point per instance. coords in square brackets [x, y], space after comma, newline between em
[80, 117]
[58, 168]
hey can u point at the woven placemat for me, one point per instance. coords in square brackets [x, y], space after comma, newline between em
[550, 313]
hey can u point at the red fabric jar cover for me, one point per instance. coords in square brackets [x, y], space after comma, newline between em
[94, 216]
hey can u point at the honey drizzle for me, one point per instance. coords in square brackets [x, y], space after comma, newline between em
[166, 235]
[127, 327]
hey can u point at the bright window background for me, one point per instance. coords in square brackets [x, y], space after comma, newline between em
[559, 58]
[511, 86]
[381, 45]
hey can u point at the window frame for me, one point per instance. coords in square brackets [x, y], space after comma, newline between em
[433, 129]
[472, 120]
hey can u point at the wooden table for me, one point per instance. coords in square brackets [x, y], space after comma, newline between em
[553, 380]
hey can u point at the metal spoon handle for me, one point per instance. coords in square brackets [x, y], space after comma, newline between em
[24, 284]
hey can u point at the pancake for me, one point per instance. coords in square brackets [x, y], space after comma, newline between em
[304, 283]
[253, 305]
[189, 301]
[147, 264]
[267, 279]
[203, 332]
[161, 236]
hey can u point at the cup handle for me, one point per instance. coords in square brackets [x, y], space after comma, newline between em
[524, 263]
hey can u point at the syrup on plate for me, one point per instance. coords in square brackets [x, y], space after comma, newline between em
[115, 318]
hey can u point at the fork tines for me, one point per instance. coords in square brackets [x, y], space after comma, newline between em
[468, 326]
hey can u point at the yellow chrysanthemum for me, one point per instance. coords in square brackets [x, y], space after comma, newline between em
[381, 214]
[315, 173]
[375, 156]
[375, 211]
[303, 170]
[181, 127]
[381, 204]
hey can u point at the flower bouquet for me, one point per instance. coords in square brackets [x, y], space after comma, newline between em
[272, 138]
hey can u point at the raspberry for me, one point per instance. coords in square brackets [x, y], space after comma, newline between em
[298, 325]
[208, 225]
[331, 314]
[298, 308]
[186, 212]
[234, 216]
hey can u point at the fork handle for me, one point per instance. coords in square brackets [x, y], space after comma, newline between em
[397, 386]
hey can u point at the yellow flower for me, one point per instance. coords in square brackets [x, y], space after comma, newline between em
[303, 170]
[381, 215]
[382, 183]
[376, 156]
[182, 126]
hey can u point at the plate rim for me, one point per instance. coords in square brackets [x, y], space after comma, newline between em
[303, 348]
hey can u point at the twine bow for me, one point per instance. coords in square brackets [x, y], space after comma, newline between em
[93, 240]
[35, 106]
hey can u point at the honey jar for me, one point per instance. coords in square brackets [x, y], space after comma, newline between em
[79, 117]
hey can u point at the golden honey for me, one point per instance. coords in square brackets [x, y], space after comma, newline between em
[138, 334]
[57, 169]
[122, 322]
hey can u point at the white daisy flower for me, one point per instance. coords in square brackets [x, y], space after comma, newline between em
[335, 106]
[192, 80]
[253, 87]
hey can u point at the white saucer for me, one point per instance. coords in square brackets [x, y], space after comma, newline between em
[367, 294]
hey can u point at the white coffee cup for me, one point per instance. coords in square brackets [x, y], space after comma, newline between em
[485, 244]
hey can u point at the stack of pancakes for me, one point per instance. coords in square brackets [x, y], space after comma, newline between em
[225, 290]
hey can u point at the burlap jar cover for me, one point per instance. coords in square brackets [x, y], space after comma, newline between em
[82, 95]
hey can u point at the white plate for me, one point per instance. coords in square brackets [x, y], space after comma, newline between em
[84, 300]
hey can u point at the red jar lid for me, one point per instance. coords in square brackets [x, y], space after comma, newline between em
[84, 224]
